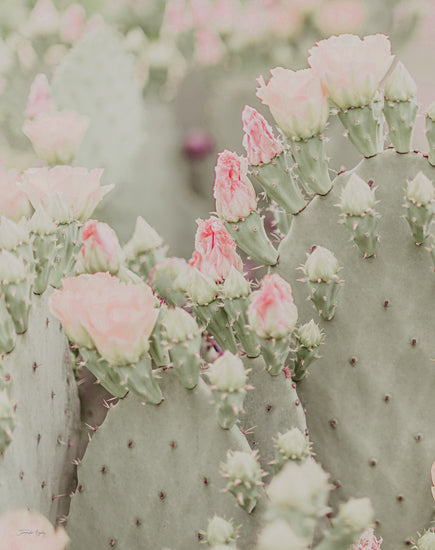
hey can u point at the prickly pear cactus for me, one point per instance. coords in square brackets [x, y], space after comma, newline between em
[370, 408]
[272, 407]
[164, 475]
[36, 469]
[97, 79]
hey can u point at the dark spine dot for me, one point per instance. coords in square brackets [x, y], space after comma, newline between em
[130, 444]
[162, 495]
[268, 408]
[333, 423]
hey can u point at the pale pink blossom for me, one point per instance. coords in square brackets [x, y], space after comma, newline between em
[209, 48]
[272, 312]
[259, 142]
[225, 14]
[367, 541]
[234, 193]
[350, 68]
[117, 317]
[14, 203]
[101, 250]
[19, 531]
[340, 16]
[56, 136]
[215, 250]
[284, 20]
[39, 97]
[297, 101]
[176, 19]
[79, 188]
[72, 23]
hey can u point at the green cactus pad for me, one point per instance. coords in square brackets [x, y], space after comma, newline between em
[36, 470]
[165, 475]
[97, 79]
[370, 407]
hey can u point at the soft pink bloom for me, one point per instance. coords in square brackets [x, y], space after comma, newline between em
[117, 318]
[101, 250]
[272, 312]
[56, 136]
[79, 187]
[225, 14]
[296, 100]
[367, 541]
[259, 142]
[351, 68]
[209, 48]
[14, 203]
[215, 250]
[72, 23]
[39, 97]
[19, 531]
[284, 21]
[176, 19]
[340, 16]
[234, 193]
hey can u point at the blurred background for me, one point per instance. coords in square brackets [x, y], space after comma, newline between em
[164, 84]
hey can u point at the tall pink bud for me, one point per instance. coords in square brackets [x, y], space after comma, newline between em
[234, 193]
[72, 23]
[272, 312]
[259, 142]
[215, 250]
[101, 250]
[39, 97]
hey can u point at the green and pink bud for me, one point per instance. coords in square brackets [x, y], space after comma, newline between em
[244, 475]
[14, 203]
[420, 196]
[260, 144]
[233, 192]
[220, 532]
[367, 541]
[39, 100]
[101, 250]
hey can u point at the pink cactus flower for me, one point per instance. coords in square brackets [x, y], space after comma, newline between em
[24, 530]
[296, 100]
[215, 250]
[117, 318]
[14, 203]
[44, 19]
[72, 23]
[209, 48]
[101, 250]
[176, 18]
[350, 68]
[79, 187]
[56, 136]
[234, 193]
[259, 142]
[272, 312]
[39, 97]
[367, 541]
[341, 16]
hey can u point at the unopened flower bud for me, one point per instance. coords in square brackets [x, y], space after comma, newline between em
[12, 234]
[235, 285]
[321, 264]
[101, 250]
[280, 536]
[357, 197]
[201, 289]
[400, 86]
[242, 466]
[179, 325]
[41, 223]
[356, 514]
[144, 239]
[228, 373]
[293, 444]
[219, 531]
[310, 335]
[12, 268]
[426, 542]
[420, 190]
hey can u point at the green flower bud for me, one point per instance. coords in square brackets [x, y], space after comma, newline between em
[228, 373]
[321, 265]
[242, 467]
[41, 223]
[12, 234]
[235, 285]
[144, 239]
[219, 531]
[310, 335]
[426, 542]
[356, 514]
[179, 325]
[400, 86]
[293, 444]
[357, 197]
[280, 536]
[420, 190]
[201, 289]
[12, 268]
